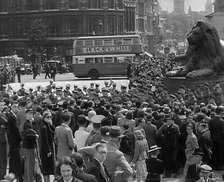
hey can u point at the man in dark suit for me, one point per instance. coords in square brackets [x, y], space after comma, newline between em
[216, 127]
[81, 174]
[194, 169]
[150, 131]
[3, 153]
[102, 110]
[14, 139]
[97, 167]
[169, 132]
[205, 142]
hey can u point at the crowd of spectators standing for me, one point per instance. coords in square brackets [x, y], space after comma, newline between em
[103, 133]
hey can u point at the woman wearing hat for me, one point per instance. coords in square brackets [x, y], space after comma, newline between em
[155, 166]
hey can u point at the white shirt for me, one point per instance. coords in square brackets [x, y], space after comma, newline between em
[81, 136]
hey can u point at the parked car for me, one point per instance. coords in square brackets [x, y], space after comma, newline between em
[26, 69]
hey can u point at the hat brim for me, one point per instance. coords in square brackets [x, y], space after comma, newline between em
[87, 150]
[88, 118]
[199, 153]
[152, 150]
[116, 136]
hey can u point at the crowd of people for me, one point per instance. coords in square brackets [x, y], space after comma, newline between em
[138, 132]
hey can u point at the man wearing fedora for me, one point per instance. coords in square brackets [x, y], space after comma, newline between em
[193, 172]
[115, 158]
[155, 166]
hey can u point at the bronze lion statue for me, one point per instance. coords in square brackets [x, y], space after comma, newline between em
[205, 54]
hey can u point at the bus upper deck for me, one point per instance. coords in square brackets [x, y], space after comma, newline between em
[104, 55]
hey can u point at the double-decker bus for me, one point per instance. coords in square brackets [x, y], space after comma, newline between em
[97, 56]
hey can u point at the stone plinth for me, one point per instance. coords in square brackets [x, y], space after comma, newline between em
[173, 83]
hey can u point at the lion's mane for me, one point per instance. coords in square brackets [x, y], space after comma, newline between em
[205, 49]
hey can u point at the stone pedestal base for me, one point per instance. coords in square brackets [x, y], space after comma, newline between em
[173, 83]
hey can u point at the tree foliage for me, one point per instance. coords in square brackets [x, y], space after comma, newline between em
[38, 32]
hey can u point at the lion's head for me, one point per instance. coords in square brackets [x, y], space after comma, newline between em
[205, 40]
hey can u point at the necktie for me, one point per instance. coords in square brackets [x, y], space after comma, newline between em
[103, 172]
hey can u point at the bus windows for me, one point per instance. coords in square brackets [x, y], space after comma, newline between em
[88, 42]
[98, 60]
[136, 41]
[108, 42]
[127, 41]
[128, 59]
[117, 41]
[89, 60]
[81, 61]
[79, 43]
[108, 60]
[120, 59]
[98, 42]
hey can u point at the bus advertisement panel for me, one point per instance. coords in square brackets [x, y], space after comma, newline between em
[104, 55]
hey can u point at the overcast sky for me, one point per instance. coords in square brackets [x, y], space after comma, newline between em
[196, 5]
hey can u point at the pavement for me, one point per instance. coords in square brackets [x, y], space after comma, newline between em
[63, 79]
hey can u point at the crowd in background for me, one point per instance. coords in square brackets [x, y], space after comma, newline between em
[105, 133]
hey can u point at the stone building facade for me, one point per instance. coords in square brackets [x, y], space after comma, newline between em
[65, 20]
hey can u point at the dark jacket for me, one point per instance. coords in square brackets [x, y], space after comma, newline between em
[216, 127]
[95, 169]
[3, 123]
[155, 167]
[14, 136]
[29, 136]
[127, 144]
[85, 177]
[47, 146]
[205, 143]
[151, 133]
[193, 173]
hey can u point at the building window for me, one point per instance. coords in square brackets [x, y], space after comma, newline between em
[141, 10]
[18, 5]
[32, 4]
[111, 4]
[4, 27]
[94, 4]
[120, 24]
[74, 24]
[94, 25]
[17, 27]
[73, 4]
[105, 4]
[4, 5]
[141, 25]
[84, 3]
[51, 4]
[112, 24]
[54, 25]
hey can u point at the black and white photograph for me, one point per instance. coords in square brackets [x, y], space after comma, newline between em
[111, 90]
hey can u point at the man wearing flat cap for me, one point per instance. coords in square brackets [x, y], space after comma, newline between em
[170, 133]
[115, 158]
[205, 174]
